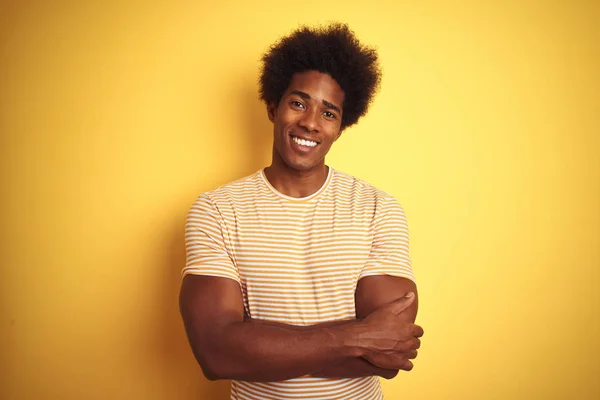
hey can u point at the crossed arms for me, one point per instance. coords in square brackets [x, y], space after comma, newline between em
[380, 341]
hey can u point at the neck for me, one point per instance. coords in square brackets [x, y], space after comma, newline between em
[296, 183]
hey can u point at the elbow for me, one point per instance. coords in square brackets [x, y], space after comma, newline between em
[214, 367]
[211, 375]
[215, 356]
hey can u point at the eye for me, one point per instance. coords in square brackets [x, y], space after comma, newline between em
[297, 104]
[329, 114]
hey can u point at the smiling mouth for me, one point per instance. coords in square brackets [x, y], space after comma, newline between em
[304, 142]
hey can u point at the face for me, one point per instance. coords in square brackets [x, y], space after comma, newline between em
[306, 121]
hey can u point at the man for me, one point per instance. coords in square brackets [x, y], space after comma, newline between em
[298, 282]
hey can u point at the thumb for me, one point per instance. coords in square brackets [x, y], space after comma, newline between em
[398, 306]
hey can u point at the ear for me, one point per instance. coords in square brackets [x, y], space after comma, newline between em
[271, 111]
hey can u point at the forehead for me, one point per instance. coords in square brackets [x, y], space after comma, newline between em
[318, 86]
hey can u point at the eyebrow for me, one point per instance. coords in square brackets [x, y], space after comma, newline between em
[306, 96]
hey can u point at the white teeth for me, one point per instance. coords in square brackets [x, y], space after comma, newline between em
[303, 142]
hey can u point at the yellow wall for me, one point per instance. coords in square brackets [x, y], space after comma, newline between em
[114, 117]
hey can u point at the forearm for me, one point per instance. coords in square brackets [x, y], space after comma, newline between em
[351, 367]
[356, 367]
[388, 290]
[265, 352]
[301, 328]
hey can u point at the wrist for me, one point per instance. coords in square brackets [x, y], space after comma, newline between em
[347, 339]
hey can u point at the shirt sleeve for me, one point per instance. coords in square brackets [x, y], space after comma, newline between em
[206, 252]
[390, 249]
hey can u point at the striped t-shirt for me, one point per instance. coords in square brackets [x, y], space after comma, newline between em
[298, 260]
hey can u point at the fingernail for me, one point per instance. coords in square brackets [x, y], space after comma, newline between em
[409, 295]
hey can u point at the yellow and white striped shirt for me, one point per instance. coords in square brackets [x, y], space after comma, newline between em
[298, 260]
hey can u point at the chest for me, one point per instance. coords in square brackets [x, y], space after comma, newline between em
[300, 263]
[310, 240]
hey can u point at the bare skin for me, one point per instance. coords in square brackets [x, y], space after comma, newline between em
[382, 340]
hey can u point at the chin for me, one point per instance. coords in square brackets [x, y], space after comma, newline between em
[298, 163]
[301, 166]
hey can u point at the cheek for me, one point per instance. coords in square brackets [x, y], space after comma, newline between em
[326, 146]
[279, 126]
[287, 118]
[332, 137]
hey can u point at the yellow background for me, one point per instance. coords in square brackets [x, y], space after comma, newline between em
[114, 116]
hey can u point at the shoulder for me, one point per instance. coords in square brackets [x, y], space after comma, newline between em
[248, 185]
[231, 193]
[360, 189]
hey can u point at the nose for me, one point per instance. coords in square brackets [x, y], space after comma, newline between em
[310, 120]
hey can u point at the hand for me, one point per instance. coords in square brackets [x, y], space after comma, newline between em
[399, 360]
[389, 342]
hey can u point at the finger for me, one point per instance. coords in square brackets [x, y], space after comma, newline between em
[414, 344]
[407, 366]
[402, 303]
[386, 361]
[411, 355]
[411, 344]
[417, 331]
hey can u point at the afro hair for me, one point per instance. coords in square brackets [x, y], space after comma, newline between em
[334, 50]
